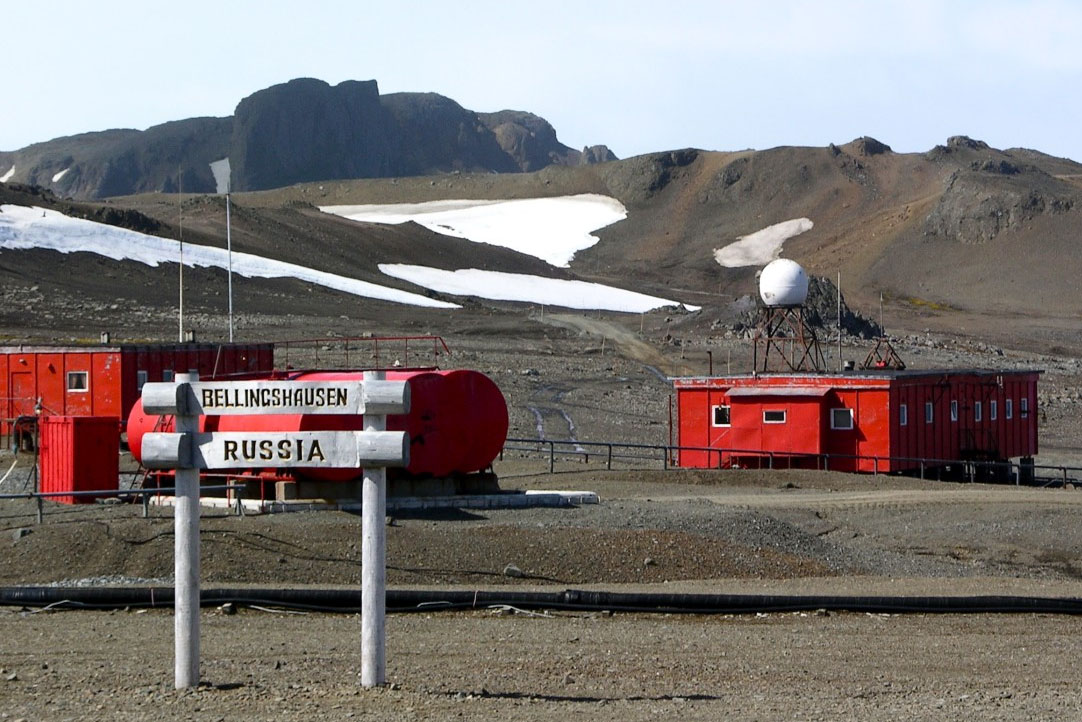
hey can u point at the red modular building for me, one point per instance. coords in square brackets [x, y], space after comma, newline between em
[107, 380]
[867, 421]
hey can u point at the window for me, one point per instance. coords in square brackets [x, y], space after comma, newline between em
[774, 417]
[929, 412]
[167, 375]
[954, 410]
[993, 410]
[140, 379]
[78, 380]
[721, 416]
[903, 415]
[841, 419]
[1009, 408]
[1023, 407]
[976, 410]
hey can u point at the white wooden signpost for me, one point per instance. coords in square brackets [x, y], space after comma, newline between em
[187, 450]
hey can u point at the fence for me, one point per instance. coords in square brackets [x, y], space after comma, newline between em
[652, 455]
[41, 496]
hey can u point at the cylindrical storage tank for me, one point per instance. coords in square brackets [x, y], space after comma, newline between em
[783, 283]
[457, 422]
[485, 419]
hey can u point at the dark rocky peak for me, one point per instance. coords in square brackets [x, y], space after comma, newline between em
[597, 154]
[957, 142]
[531, 141]
[307, 130]
[866, 146]
[435, 134]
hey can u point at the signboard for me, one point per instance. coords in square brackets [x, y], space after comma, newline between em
[287, 449]
[190, 450]
[220, 398]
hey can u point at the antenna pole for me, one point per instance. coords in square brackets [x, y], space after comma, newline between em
[229, 251]
[839, 289]
[180, 206]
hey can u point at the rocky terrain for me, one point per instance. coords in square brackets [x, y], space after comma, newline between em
[965, 255]
[301, 131]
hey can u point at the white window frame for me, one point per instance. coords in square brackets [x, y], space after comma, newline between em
[1023, 407]
[903, 415]
[784, 416]
[929, 412]
[714, 415]
[833, 419]
[1009, 411]
[977, 411]
[993, 410]
[954, 410]
[167, 374]
[141, 378]
[78, 388]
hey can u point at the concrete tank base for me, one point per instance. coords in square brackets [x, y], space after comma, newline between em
[341, 491]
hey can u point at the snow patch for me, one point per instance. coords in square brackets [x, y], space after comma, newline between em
[24, 228]
[552, 229]
[7, 176]
[761, 247]
[501, 286]
[61, 174]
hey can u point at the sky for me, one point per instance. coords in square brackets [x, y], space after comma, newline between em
[638, 76]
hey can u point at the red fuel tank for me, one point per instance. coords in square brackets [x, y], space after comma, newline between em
[457, 422]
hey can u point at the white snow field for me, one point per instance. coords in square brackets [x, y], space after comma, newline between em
[761, 247]
[22, 227]
[7, 176]
[61, 174]
[500, 286]
[552, 229]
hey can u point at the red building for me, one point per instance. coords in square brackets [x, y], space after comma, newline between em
[869, 421]
[106, 380]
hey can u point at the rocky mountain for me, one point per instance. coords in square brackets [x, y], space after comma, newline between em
[962, 236]
[301, 131]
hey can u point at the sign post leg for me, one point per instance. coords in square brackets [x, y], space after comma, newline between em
[373, 563]
[186, 564]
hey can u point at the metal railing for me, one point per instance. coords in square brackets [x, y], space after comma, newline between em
[41, 496]
[666, 455]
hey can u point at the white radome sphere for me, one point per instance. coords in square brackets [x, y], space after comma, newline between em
[783, 283]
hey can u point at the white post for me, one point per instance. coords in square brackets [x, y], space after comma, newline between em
[374, 562]
[186, 562]
[229, 253]
[180, 310]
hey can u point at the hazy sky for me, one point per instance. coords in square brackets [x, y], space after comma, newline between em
[636, 76]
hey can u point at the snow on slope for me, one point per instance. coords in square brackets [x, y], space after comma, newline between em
[761, 247]
[23, 228]
[552, 229]
[7, 176]
[500, 286]
[61, 174]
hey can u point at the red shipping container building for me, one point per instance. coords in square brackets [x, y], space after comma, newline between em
[866, 421]
[79, 453]
[106, 380]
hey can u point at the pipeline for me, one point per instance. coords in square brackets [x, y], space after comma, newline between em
[429, 600]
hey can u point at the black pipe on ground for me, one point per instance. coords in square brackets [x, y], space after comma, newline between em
[427, 600]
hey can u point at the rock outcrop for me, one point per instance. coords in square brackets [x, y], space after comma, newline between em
[300, 131]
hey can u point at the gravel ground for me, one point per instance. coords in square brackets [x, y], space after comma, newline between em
[677, 531]
[699, 532]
